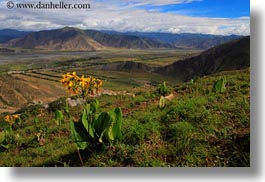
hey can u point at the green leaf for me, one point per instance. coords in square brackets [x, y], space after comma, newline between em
[162, 102]
[36, 120]
[59, 117]
[95, 107]
[102, 124]
[79, 135]
[9, 131]
[84, 119]
[66, 108]
[109, 132]
[116, 130]
[5, 146]
[88, 109]
[2, 137]
[219, 85]
[90, 131]
[101, 136]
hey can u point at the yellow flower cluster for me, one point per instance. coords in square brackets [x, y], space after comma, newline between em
[10, 119]
[81, 85]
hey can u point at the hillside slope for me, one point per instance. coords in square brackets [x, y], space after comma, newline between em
[233, 55]
[19, 91]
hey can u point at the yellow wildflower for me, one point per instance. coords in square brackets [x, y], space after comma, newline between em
[70, 84]
[80, 85]
[10, 119]
[83, 81]
[16, 116]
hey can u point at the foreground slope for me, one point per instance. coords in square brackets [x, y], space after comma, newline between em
[197, 127]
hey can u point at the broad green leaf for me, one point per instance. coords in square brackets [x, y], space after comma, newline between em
[79, 135]
[219, 85]
[117, 124]
[109, 133]
[84, 119]
[88, 109]
[2, 137]
[90, 131]
[102, 124]
[94, 106]
[101, 136]
[59, 117]
[99, 123]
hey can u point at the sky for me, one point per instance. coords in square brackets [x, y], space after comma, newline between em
[220, 17]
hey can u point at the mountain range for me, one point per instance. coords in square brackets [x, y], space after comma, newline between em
[74, 39]
[186, 40]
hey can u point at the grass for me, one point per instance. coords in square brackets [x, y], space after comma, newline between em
[197, 128]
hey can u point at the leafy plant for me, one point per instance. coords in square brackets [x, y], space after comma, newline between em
[163, 90]
[59, 117]
[7, 136]
[220, 85]
[94, 129]
[162, 102]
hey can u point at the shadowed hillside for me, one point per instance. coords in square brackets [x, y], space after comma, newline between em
[234, 55]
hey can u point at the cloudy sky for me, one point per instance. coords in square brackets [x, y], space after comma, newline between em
[223, 17]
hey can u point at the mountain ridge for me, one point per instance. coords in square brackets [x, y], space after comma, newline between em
[233, 55]
[73, 39]
[188, 40]
[97, 40]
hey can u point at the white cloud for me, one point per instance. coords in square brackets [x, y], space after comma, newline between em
[107, 15]
[133, 3]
